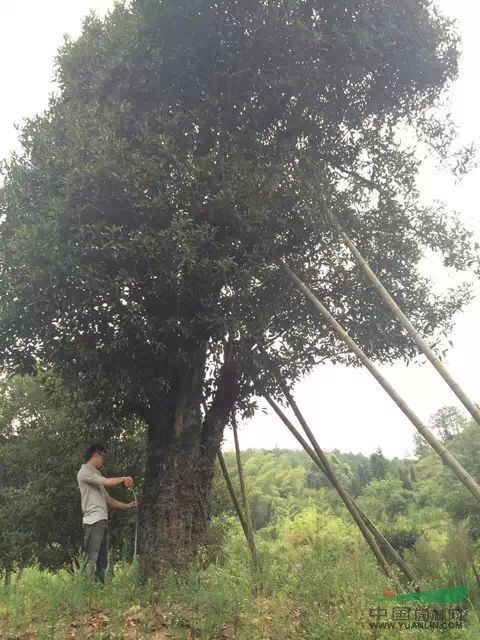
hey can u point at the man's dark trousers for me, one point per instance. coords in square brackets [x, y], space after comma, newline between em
[95, 548]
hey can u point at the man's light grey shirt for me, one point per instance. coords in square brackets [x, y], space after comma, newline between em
[93, 494]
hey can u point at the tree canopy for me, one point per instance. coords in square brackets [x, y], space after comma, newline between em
[191, 144]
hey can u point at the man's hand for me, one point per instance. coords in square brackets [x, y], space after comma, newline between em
[116, 504]
[127, 482]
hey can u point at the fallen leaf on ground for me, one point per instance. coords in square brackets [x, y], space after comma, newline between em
[134, 616]
[29, 634]
[133, 610]
[228, 631]
[95, 624]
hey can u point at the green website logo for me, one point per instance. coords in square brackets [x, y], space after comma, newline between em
[449, 595]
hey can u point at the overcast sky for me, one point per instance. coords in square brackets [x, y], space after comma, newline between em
[346, 408]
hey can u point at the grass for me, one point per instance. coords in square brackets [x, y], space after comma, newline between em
[318, 583]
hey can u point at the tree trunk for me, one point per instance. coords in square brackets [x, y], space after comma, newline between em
[182, 449]
[172, 525]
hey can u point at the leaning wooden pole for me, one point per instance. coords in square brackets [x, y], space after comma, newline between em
[408, 326]
[449, 460]
[235, 501]
[396, 557]
[243, 490]
[347, 500]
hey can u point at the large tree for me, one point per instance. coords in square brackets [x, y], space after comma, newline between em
[189, 145]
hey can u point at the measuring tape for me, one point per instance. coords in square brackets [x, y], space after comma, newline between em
[136, 526]
[136, 522]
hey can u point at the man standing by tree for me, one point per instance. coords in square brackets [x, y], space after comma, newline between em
[95, 500]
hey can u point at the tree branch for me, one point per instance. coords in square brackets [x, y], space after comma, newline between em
[218, 413]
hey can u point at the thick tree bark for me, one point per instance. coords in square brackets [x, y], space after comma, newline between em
[182, 449]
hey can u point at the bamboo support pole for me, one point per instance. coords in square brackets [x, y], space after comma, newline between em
[246, 510]
[449, 460]
[243, 520]
[344, 495]
[408, 326]
[396, 557]
[234, 498]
